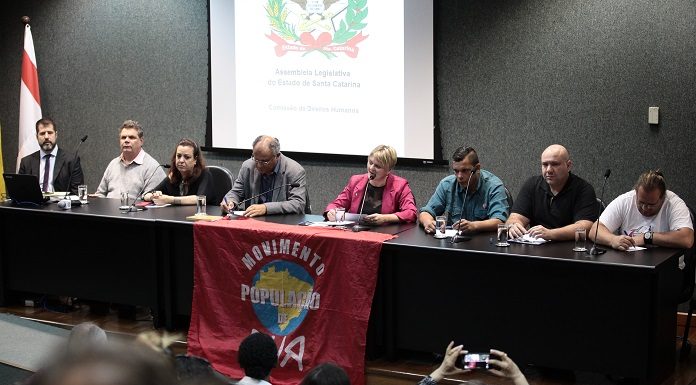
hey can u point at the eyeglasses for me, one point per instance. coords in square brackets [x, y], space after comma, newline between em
[648, 206]
[262, 162]
[463, 171]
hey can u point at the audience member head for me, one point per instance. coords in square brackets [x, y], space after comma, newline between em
[131, 139]
[465, 164]
[555, 166]
[380, 162]
[187, 161]
[326, 374]
[194, 370]
[111, 364]
[265, 152]
[85, 336]
[650, 192]
[258, 355]
[46, 134]
[192, 367]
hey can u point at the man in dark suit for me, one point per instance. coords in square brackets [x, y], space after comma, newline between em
[55, 168]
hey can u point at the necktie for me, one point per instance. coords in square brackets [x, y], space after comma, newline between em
[47, 170]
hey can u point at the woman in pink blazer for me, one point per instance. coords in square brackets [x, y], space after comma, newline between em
[387, 197]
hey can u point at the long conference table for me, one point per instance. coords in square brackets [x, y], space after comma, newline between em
[544, 305]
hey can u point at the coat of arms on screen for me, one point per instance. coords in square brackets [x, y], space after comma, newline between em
[326, 27]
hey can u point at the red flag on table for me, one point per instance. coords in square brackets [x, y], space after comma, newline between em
[310, 288]
[29, 100]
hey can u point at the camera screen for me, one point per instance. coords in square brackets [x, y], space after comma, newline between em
[474, 361]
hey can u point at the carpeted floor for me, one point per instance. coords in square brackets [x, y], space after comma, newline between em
[27, 344]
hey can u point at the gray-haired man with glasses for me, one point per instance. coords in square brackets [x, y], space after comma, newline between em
[647, 215]
[279, 182]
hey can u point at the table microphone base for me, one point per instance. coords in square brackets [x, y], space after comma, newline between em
[357, 228]
[460, 238]
[596, 251]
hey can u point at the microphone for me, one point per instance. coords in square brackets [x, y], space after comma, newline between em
[358, 227]
[132, 207]
[75, 202]
[267, 191]
[596, 250]
[459, 237]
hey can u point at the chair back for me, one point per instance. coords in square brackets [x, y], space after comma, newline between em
[223, 180]
[308, 205]
[601, 204]
[689, 272]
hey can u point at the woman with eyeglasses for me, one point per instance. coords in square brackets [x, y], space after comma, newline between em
[379, 194]
[187, 179]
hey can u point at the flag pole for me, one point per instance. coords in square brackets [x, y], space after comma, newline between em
[29, 99]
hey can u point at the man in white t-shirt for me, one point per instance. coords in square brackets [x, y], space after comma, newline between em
[647, 215]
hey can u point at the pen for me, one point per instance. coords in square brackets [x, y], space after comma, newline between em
[224, 199]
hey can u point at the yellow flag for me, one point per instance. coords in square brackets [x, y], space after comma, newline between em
[2, 170]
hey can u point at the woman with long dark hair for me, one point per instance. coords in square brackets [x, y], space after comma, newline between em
[188, 177]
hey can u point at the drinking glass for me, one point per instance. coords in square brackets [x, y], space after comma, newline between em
[340, 214]
[503, 235]
[200, 205]
[580, 240]
[82, 193]
[125, 200]
[440, 226]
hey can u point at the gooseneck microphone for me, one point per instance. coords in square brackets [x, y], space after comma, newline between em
[459, 236]
[358, 227]
[132, 207]
[293, 185]
[77, 150]
[594, 250]
[68, 190]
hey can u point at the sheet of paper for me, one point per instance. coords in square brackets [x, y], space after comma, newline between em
[636, 248]
[157, 206]
[354, 217]
[528, 239]
[330, 224]
[448, 233]
[204, 217]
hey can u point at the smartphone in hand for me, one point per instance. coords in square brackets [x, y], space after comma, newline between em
[473, 361]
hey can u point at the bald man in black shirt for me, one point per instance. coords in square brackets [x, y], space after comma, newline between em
[554, 204]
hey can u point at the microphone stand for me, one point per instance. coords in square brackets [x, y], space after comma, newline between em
[594, 250]
[358, 227]
[68, 192]
[460, 237]
[132, 207]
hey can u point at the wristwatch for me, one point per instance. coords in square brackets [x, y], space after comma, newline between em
[648, 237]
